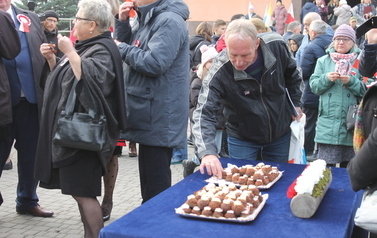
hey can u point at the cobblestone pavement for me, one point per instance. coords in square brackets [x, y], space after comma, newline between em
[66, 220]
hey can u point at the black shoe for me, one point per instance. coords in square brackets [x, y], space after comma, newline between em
[188, 167]
[8, 166]
[106, 218]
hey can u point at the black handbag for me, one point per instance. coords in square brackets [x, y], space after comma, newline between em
[86, 131]
[351, 117]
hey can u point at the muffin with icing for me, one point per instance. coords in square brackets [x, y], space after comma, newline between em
[186, 208]
[214, 203]
[207, 211]
[238, 207]
[191, 200]
[218, 213]
[196, 210]
[226, 205]
[259, 182]
[229, 214]
[203, 202]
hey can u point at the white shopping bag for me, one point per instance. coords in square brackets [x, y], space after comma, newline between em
[296, 148]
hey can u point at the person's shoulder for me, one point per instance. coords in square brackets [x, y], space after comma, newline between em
[176, 9]
[25, 12]
[270, 37]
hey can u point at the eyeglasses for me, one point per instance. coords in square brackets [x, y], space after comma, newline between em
[345, 40]
[83, 19]
[52, 20]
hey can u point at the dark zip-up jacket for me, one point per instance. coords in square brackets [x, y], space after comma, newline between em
[257, 112]
[156, 74]
[362, 168]
[315, 50]
[368, 61]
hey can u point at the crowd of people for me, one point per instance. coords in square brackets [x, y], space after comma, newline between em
[227, 83]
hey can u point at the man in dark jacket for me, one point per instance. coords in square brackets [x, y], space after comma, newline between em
[24, 74]
[10, 47]
[252, 84]
[319, 40]
[156, 56]
[49, 21]
[368, 61]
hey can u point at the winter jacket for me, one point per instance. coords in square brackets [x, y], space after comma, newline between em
[315, 49]
[308, 7]
[257, 112]
[343, 14]
[196, 42]
[280, 16]
[334, 100]
[362, 169]
[368, 62]
[305, 41]
[156, 57]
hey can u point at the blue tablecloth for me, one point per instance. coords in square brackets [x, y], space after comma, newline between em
[157, 217]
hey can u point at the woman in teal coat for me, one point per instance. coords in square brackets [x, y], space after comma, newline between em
[339, 84]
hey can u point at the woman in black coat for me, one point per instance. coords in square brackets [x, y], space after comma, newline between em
[362, 169]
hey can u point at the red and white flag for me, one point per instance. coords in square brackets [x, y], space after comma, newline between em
[291, 15]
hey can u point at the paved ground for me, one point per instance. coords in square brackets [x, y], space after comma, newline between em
[66, 221]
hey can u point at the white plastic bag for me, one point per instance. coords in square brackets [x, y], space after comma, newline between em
[366, 214]
[296, 148]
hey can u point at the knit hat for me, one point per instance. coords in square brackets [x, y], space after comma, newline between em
[49, 13]
[208, 53]
[342, 2]
[345, 30]
[297, 37]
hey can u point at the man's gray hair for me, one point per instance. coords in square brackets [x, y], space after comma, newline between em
[98, 11]
[241, 29]
[318, 26]
[312, 16]
[293, 25]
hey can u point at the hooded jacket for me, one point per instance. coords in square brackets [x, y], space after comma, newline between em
[257, 112]
[196, 42]
[156, 73]
[308, 7]
[343, 14]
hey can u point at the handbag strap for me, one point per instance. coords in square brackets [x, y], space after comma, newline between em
[93, 110]
[71, 101]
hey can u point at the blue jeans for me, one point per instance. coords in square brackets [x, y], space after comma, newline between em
[276, 151]
[179, 154]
